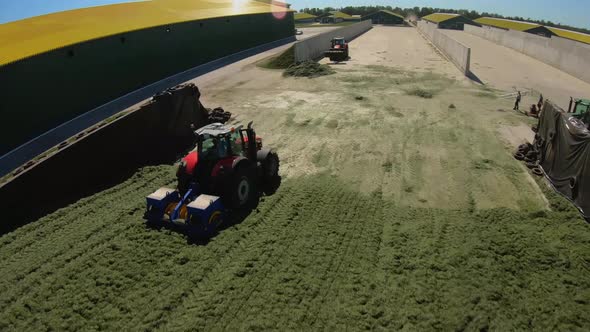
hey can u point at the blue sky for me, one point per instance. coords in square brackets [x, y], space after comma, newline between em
[12, 10]
[572, 12]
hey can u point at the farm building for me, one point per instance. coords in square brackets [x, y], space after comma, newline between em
[81, 59]
[385, 17]
[572, 35]
[304, 18]
[448, 21]
[515, 25]
[335, 17]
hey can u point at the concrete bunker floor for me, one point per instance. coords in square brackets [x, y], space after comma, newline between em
[396, 212]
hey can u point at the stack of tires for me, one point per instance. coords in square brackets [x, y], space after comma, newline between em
[530, 156]
[218, 115]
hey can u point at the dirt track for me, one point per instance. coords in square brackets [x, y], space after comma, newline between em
[395, 212]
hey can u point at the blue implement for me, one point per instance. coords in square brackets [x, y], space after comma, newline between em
[201, 214]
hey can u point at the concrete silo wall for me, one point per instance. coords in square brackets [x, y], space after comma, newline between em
[44, 91]
[567, 55]
[458, 53]
[314, 47]
[156, 132]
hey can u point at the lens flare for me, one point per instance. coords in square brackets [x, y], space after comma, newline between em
[237, 5]
[279, 9]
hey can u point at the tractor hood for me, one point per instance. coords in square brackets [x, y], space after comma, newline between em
[190, 161]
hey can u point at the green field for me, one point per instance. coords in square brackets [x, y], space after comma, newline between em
[401, 208]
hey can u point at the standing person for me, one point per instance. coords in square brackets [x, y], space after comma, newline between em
[518, 97]
[540, 103]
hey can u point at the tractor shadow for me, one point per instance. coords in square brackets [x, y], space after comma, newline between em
[233, 217]
[236, 217]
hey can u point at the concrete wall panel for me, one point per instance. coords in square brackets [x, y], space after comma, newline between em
[458, 53]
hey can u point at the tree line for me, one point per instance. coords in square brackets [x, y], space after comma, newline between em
[423, 11]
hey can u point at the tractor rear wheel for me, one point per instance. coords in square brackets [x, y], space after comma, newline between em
[270, 173]
[242, 187]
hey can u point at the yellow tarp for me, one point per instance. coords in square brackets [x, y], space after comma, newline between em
[303, 16]
[506, 24]
[340, 14]
[439, 17]
[24, 38]
[577, 36]
[392, 13]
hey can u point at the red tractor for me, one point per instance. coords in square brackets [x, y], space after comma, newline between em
[338, 51]
[228, 169]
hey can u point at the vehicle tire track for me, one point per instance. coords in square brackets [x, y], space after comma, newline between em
[327, 196]
[354, 224]
[52, 262]
[285, 220]
[68, 219]
[248, 232]
[355, 270]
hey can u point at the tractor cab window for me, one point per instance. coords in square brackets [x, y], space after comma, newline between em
[222, 147]
[209, 150]
[236, 143]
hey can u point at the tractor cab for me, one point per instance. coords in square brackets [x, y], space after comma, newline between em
[338, 43]
[218, 148]
[217, 141]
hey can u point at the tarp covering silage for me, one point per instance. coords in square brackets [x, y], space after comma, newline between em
[564, 145]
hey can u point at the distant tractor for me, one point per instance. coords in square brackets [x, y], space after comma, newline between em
[580, 109]
[338, 51]
[228, 169]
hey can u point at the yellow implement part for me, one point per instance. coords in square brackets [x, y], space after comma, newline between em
[183, 213]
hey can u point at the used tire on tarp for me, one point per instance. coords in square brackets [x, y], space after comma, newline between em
[519, 156]
[531, 165]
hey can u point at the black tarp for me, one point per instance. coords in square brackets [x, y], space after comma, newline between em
[563, 143]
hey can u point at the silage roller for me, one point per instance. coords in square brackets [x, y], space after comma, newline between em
[201, 214]
[336, 55]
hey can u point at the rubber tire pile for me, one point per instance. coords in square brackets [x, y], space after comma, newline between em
[218, 115]
[527, 153]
